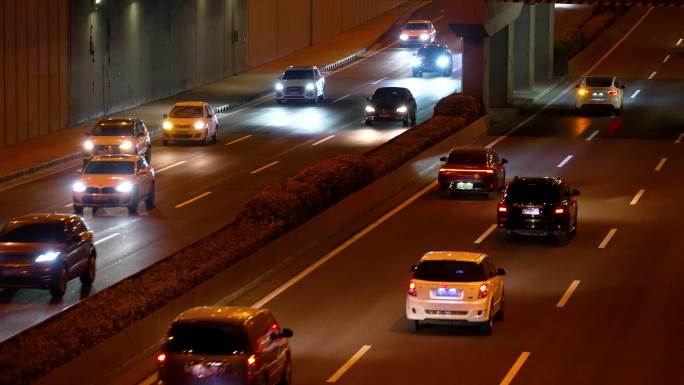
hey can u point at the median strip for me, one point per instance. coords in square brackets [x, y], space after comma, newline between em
[660, 164]
[607, 238]
[568, 293]
[637, 197]
[357, 356]
[485, 234]
[515, 368]
[262, 168]
[193, 199]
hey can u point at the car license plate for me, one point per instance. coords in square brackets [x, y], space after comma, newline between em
[464, 186]
[530, 211]
[293, 92]
[384, 115]
[444, 292]
[99, 198]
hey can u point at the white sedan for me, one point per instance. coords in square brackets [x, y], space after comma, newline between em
[600, 91]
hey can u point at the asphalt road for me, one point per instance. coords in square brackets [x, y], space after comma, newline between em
[621, 324]
[258, 145]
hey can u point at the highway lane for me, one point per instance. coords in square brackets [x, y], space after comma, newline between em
[603, 309]
[220, 177]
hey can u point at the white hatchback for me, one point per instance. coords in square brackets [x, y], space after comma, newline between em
[300, 83]
[455, 287]
[190, 121]
[600, 91]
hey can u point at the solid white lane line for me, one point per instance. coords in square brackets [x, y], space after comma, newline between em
[485, 234]
[342, 247]
[607, 238]
[587, 72]
[323, 140]
[379, 80]
[262, 168]
[343, 97]
[666, 59]
[568, 293]
[357, 356]
[679, 42]
[653, 74]
[193, 199]
[238, 140]
[593, 134]
[108, 237]
[566, 160]
[171, 166]
[515, 368]
[660, 164]
[634, 95]
[680, 138]
[637, 197]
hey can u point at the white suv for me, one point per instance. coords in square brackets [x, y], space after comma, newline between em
[600, 91]
[455, 287]
[417, 32]
[300, 83]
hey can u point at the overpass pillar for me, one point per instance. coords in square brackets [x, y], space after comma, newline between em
[543, 41]
[499, 76]
[524, 51]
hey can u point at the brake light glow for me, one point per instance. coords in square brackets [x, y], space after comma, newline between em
[502, 208]
[161, 358]
[613, 92]
[482, 170]
[251, 360]
[582, 91]
[483, 291]
[412, 289]
[559, 210]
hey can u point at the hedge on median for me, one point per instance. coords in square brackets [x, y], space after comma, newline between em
[276, 209]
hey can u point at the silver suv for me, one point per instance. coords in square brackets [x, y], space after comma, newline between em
[118, 136]
[300, 83]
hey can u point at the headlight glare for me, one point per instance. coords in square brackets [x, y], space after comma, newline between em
[124, 187]
[424, 36]
[88, 145]
[310, 87]
[402, 109]
[126, 145]
[370, 109]
[442, 61]
[416, 61]
[403, 36]
[167, 125]
[199, 125]
[279, 86]
[78, 187]
[48, 256]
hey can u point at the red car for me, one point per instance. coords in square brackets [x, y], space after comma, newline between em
[478, 170]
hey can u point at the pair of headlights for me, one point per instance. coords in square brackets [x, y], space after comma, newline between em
[123, 187]
[198, 125]
[442, 61]
[309, 86]
[401, 109]
[423, 36]
[125, 145]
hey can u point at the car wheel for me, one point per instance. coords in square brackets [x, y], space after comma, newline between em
[287, 374]
[135, 200]
[78, 209]
[88, 276]
[214, 137]
[413, 119]
[165, 142]
[205, 142]
[369, 122]
[500, 314]
[574, 228]
[406, 122]
[148, 154]
[503, 235]
[618, 111]
[562, 237]
[58, 287]
[413, 325]
[487, 327]
[149, 201]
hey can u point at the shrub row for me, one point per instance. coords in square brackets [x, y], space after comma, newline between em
[273, 211]
[570, 42]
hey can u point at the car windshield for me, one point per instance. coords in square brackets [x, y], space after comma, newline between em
[112, 130]
[468, 158]
[298, 74]
[450, 271]
[211, 338]
[33, 233]
[109, 167]
[416, 26]
[389, 93]
[532, 192]
[599, 82]
[430, 51]
[187, 112]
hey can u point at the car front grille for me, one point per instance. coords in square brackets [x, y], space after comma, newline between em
[106, 148]
[101, 201]
[446, 312]
[182, 136]
[181, 126]
[103, 190]
[294, 90]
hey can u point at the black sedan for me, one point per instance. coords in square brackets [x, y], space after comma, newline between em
[433, 58]
[46, 251]
[391, 104]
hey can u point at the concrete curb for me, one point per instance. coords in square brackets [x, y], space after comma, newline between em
[287, 255]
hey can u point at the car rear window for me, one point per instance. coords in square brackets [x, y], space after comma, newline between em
[531, 192]
[33, 233]
[109, 167]
[450, 271]
[430, 51]
[599, 82]
[206, 338]
[112, 130]
[187, 112]
[416, 26]
[468, 158]
[298, 74]
[389, 93]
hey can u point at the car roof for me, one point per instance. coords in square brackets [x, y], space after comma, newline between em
[235, 315]
[300, 68]
[418, 21]
[116, 157]
[44, 218]
[189, 104]
[464, 256]
[536, 179]
[468, 150]
[121, 121]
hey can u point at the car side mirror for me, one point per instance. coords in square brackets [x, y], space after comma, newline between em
[165, 116]
[414, 268]
[368, 98]
[443, 159]
[280, 78]
[502, 189]
[500, 271]
[622, 86]
[286, 333]
[79, 171]
[575, 192]
[504, 160]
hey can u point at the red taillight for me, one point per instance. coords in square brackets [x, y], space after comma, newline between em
[483, 291]
[483, 170]
[251, 360]
[161, 358]
[613, 92]
[412, 289]
[559, 210]
[502, 208]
